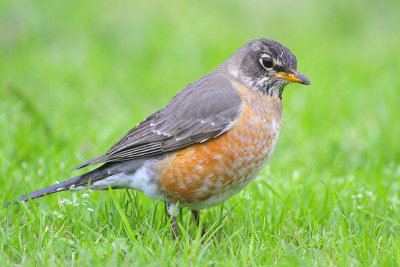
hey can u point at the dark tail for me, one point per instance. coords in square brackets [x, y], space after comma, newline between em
[81, 180]
[65, 185]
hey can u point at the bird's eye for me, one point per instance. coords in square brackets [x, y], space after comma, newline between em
[266, 62]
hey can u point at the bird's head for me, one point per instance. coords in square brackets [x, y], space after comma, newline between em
[266, 66]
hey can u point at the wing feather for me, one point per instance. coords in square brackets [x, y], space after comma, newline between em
[201, 111]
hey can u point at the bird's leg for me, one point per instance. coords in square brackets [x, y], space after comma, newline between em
[196, 215]
[172, 212]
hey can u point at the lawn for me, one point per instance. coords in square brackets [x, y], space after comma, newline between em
[76, 75]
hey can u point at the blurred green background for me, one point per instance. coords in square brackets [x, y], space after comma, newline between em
[76, 75]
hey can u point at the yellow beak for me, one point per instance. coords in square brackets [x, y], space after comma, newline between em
[294, 76]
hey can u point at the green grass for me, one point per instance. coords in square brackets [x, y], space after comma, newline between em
[76, 75]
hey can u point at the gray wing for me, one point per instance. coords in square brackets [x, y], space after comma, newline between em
[201, 111]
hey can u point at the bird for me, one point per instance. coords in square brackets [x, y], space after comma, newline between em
[208, 143]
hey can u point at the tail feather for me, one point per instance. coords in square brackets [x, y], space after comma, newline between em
[65, 185]
[82, 180]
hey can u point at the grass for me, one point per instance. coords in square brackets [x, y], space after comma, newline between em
[75, 76]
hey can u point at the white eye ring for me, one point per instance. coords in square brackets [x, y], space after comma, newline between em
[266, 62]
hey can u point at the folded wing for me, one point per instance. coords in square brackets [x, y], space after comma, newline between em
[201, 111]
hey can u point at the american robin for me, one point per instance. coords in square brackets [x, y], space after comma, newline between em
[208, 142]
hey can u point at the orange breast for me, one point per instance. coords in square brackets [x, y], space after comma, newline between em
[213, 171]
